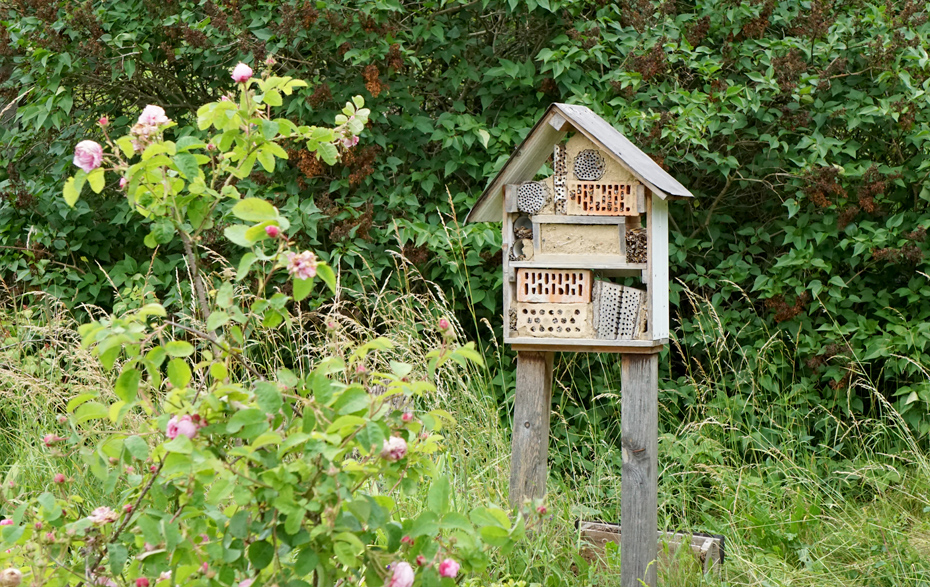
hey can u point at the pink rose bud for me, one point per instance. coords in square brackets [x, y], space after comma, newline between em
[50, 536]
[242, 73]
[88, 155]
[6, 522]
[142, 582]
[448, 568]
[62, 419]
[360, 369]
[402, 575]
[127, 508]
[153, 468]
[542, 510]
[59, 478]
[122, 182]
[104, 121]
[270, 60]
[211, 147]
[443, 324]
[421, 560]
[407, 417]
[394, 449]
[272, 231]
[406, 540]
[38, 525]
[204, 567]
[50, 439]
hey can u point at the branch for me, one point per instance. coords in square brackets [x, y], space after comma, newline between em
[713, 206]
[210, 338]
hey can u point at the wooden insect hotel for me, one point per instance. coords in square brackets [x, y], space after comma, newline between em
[586, 247]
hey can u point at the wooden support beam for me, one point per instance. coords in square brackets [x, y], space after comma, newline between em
[530, 448]
[639, 431]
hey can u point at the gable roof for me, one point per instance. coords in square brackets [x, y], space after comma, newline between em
[546, 133]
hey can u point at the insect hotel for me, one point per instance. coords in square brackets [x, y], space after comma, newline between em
[586, 270]
[586, 248]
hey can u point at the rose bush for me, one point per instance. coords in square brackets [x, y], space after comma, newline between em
[223, 471]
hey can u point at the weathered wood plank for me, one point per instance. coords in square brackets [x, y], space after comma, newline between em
[530, 447]
[585, 345]
[639, 432]
[707, 549]
[565, 261]
[657, 258]
[567, 219]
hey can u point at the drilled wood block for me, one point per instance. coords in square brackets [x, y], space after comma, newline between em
[554, 320]
[555, 286]
[618, 311]
[579, 239]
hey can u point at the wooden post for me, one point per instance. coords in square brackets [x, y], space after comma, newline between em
[639, 380]
[530, 447]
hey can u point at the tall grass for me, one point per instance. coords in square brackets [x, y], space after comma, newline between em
[739, 462]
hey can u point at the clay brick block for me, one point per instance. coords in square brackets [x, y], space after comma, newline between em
[554, 286]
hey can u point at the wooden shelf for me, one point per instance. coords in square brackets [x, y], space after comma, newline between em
[585, 345]
[607, 264]
[566, 219]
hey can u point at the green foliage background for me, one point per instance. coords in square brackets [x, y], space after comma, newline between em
[803, 128]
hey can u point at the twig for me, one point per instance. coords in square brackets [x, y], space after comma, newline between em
[713, 206]
[210, 338]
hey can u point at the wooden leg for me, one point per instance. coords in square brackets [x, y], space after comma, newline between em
[639, 481]
[530, 447]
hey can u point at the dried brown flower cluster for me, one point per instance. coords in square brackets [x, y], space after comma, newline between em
[755, 28]
[783, 311]
[372, 82]
[321, 94]
[653, 62]
[788, 69]
[697, 32]
[822, 183]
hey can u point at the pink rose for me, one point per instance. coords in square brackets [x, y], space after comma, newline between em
[349, 142]
[246, 582]
[242, 73]
[448, 568]
[88, 155]
[122, 182]
[184, 426]
[402, 576]
[11, 577]
[443, 324]
[103, 515]
[60, 478]
[407, 417]
[104, 121]
[153, 116]
[272, 231]
[302, 265]
[142, 582]
[6, 522]
[394, 448]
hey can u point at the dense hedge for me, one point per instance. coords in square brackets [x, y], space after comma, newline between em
[802, 127]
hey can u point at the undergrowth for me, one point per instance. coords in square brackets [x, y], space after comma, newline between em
[844, 504]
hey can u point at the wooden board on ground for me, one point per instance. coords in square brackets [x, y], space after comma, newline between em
[707, 549]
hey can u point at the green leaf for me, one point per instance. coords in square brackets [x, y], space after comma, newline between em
[136, 447]
[268, 397]
[179, 348]
[125, 145]
[245, 264]
[179, 373]
[127, 385]
[187, 165]
[272, 98]
[328, 153]
[96, 180]
[437, 499]
[261, 554]
[351, 400]
[117, 555]
[254, 210]
[427, 524]
[267, 160]
[302, 288]
[307, 560]
[243, 418]
[91, 411]
[181, 445]
[71, 192]
[325, 272]
[217, 319]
